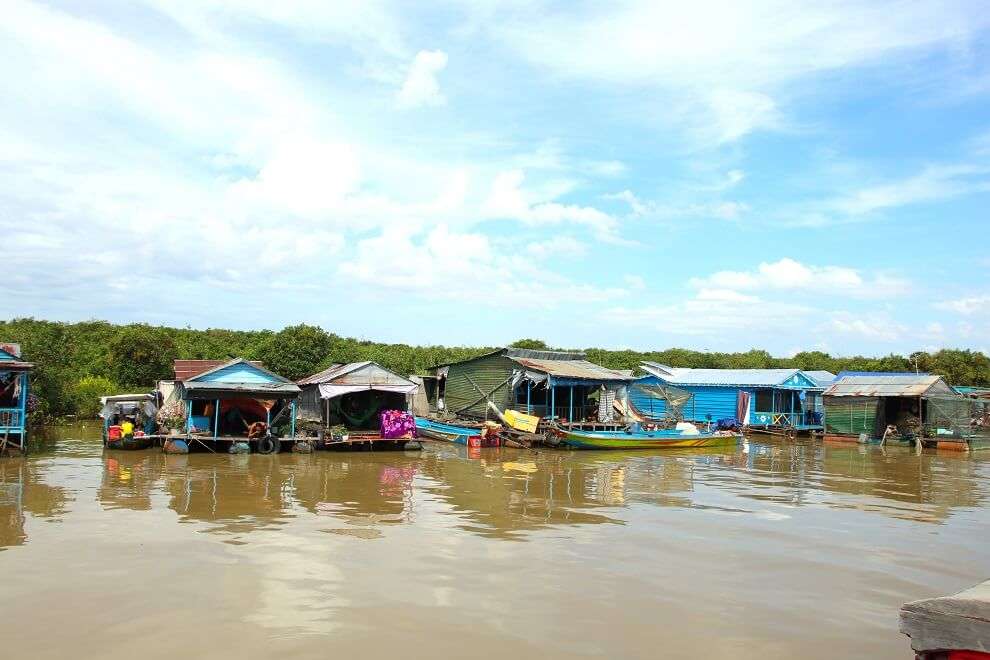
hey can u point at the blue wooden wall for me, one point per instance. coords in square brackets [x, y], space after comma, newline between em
[717, 401]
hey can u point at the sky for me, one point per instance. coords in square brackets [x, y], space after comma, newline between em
[711, 175]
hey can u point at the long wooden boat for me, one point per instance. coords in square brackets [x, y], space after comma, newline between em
[131, 443]
[448, 432]
[667, 439]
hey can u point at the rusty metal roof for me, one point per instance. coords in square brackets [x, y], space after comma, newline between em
[579, 369]
[907, 385]
[15, 365]
[185, 369]
[356, 373]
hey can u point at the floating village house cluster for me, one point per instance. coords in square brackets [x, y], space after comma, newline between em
[212, 403]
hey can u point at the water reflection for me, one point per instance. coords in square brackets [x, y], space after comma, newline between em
[23, 491]
[499, 493]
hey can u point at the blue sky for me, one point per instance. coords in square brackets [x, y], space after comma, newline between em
[709, 175]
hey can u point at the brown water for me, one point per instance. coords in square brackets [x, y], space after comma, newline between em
[769, 551]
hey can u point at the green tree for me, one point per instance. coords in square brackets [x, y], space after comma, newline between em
[532, 344]
[813, 361]
[296, 351]
[139, 355]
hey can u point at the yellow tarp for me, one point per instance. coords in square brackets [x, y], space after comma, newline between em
[521, 421]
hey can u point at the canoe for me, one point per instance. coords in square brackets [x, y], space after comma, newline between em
[447, 432]
[645, 439]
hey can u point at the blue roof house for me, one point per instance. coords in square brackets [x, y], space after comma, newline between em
[223, 402]
[14, 385]
[755, 398]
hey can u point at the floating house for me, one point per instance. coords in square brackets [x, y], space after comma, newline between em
[354, 396]
[860, 406]
[225, 399]
[14, 390]
[563, 386]
[770, 399]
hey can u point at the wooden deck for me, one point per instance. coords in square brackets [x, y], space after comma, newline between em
[950, 625]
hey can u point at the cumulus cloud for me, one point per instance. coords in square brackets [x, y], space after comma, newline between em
[463, 266]
[421, 87]
[788, 275]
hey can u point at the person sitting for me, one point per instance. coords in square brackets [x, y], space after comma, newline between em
[257, 430]
[127, 429]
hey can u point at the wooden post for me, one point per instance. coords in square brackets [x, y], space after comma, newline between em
[216, 420]
[188, 415]
[570, 408]
[529, 393]
[553, 398]
[292, 425]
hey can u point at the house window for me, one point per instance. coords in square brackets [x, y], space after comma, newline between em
[764, 400]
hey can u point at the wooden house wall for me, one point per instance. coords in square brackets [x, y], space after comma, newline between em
[717, 401]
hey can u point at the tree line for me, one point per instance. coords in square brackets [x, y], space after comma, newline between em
[79, 362]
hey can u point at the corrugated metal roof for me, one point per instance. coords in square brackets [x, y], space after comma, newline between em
[886, 385]
[11, 348]
[330, 373]
[579, 369]
[688, 376]
[528, 353]
[190, 368]
[822, 378]
[342, 374]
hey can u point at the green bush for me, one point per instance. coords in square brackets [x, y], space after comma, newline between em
[86, 393]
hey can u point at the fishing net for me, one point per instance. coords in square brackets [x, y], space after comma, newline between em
[674, 399]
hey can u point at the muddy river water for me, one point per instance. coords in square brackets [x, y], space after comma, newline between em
[771, 550]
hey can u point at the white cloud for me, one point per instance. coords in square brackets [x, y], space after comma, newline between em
[873, 328]
[748, 52]
[464, 266]
[715, 315]
[421, 87]
[717, 210]
[934, 183]
[968, 306]
[559, 246]
[507, 200]
[788, 275]
[736, 114]
[634, 282]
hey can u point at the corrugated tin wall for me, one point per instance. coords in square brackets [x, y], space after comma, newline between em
[488, 373]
